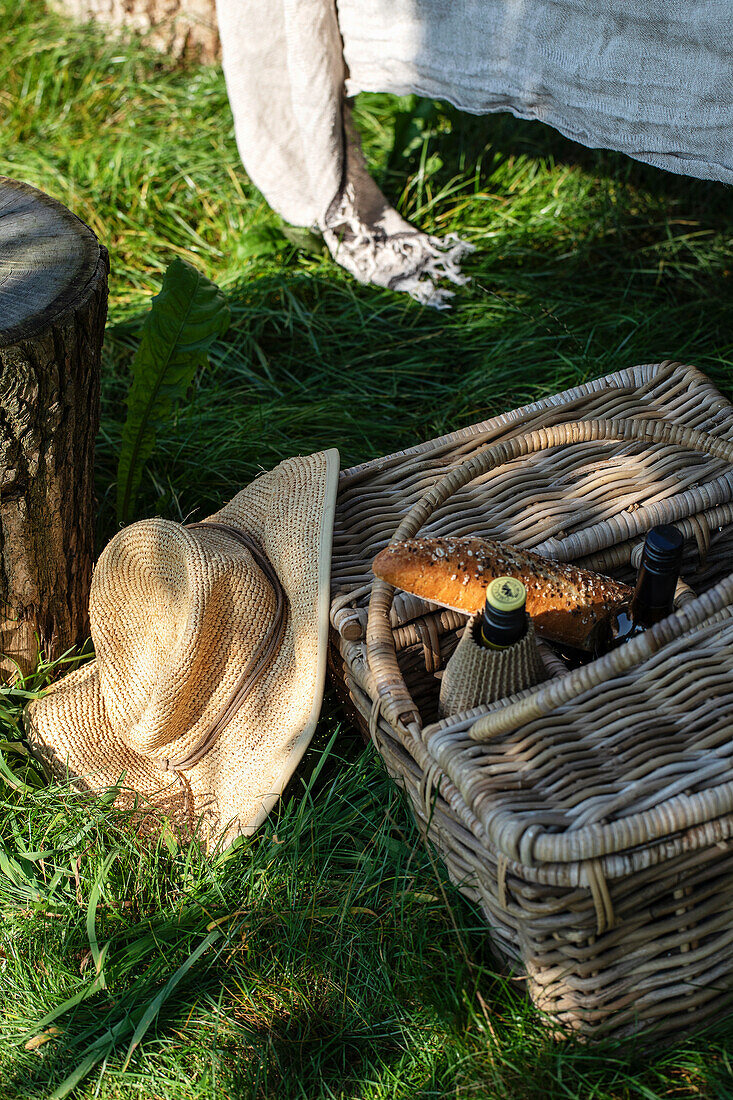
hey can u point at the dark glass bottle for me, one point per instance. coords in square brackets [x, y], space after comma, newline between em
[504, 619]
[653, 597]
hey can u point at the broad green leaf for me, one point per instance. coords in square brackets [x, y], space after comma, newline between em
[186, 317]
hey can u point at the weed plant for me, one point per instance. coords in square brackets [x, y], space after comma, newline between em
[328, 957]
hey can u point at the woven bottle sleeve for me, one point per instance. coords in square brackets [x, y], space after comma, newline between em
[475, 675]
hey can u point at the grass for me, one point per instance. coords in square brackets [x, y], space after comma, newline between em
[328, 957]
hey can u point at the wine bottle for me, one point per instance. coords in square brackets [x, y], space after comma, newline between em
[504, 619]
[497, 654]
[653, 597]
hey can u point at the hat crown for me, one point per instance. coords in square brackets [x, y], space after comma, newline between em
[175, 615]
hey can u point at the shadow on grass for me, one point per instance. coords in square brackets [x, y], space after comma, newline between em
[440, 1041]
[481, 147]
[312, 360]
[587, 262]
[348, 966]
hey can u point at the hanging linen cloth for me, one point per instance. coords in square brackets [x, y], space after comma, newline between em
[653, 80]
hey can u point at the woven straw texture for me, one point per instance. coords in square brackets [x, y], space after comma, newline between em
[176, 615]
[476, 675]
[588, 816]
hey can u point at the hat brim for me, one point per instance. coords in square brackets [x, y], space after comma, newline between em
[233, 788]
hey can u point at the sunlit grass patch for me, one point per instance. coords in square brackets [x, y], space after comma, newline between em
[328, 956]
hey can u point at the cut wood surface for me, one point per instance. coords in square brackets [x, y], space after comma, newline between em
[53, 306]
[179, 28]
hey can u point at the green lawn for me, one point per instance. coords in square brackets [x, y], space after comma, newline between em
[329, 957]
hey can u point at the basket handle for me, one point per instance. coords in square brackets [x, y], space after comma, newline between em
[395, 700]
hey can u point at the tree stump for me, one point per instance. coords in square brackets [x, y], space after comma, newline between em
[182, 29]
[53, 307]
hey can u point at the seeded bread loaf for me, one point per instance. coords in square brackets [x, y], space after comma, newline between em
[565, 603]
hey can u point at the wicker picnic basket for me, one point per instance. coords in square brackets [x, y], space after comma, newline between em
[590, 817]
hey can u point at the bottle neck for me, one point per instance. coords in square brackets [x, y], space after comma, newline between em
[499, 630]
[490, 638]
[653, 597]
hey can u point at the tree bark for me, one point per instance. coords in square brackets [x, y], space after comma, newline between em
[182, 29]
[53, 307]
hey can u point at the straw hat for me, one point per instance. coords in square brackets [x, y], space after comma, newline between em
[210, 662]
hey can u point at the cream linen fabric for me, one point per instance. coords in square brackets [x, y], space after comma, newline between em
[285, 74]
[653, 79]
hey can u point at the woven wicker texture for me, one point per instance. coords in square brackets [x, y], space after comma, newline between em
[588, 816]
[176, 615]
[476, 675]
